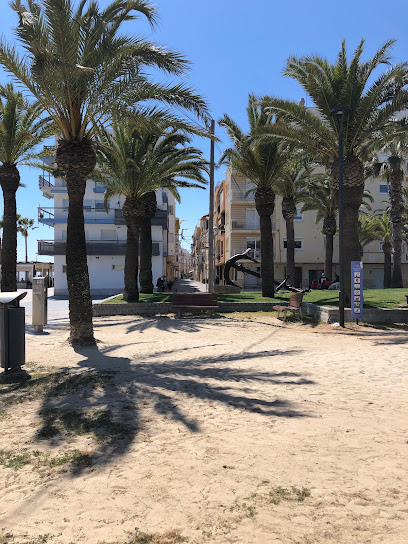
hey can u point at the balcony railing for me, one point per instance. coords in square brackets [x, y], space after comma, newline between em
[44, 183]
[93, 247]
[240, 196]
[249, 225]
[160, 218]
[59, 215]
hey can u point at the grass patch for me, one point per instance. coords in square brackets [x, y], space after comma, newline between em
[279, 494]
[373, 298]
[15, 389]
[37, 459]
[100, 423]
[9, 459]
[170, 537]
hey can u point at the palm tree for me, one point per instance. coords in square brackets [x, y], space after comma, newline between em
[291, 186]
[372, 102]
[320, 198]
[379, 228]
[24, 225]
[80, 68]
[21, 130]
[262, 163]
[135, 164]
[393, 143]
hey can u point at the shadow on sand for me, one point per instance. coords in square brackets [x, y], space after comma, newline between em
[106, 397]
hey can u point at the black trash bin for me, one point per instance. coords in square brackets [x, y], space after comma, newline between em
[12, 331]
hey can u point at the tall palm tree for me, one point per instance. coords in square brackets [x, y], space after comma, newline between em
[372, 102]
[24, 224]
[21, 130]
[262, 163]
[80, 68]
[320, 198]
[393, 143]
[135, 164]
[291, 186]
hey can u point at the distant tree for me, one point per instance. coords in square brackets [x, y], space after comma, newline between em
[24, 225]
[291, 186]
[21, 130]
[262, 162]
[393, 144]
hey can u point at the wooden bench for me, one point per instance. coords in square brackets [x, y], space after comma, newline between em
[191, 302]
[294, 306]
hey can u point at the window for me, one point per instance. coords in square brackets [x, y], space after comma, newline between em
[384, 189]
[255, 246]
[298, 244]
[99, 206]
[64, 268]
[171, 209]
[117, 267]
[87, 205]
[299, 216]
[252, 219]
[381, 246]
[108, 234]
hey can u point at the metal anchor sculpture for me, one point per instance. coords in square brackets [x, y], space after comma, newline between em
[232, 263]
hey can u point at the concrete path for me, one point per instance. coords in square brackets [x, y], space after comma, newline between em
[189, 286]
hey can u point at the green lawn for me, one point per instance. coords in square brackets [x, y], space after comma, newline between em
[373, 298]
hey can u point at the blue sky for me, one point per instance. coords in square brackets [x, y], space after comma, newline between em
[235, 48]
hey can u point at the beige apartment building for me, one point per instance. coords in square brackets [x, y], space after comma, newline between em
[242, 233]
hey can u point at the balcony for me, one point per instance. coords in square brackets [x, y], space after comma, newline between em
[51, 216]
[49, 189]
[239, 196]
[245, 226]
[93, 247]
[160, 218]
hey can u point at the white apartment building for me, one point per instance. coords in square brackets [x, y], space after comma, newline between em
[242, 232]
[105, 234]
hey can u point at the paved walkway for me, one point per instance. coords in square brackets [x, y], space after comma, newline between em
[189, 286]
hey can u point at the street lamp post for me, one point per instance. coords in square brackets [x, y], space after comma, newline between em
[339, 113]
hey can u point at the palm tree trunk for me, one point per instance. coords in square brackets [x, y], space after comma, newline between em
[265, 205]
[25, 240]
[267, 268]
[328, 260]
[387, 264]
[131, 291]
[290, 250]
[396, 211]
[329, 230]
[77, 160]
[146, 275]
[149, 208]
[9, 181]
[80, 301]
[353, 189]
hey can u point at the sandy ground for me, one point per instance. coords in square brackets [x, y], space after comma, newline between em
[228, 430]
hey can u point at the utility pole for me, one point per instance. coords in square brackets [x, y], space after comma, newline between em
[211, 271]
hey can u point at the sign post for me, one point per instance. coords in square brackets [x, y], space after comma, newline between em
[356, 289]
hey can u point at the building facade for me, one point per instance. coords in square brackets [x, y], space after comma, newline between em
[105, 233]
[241, 232]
